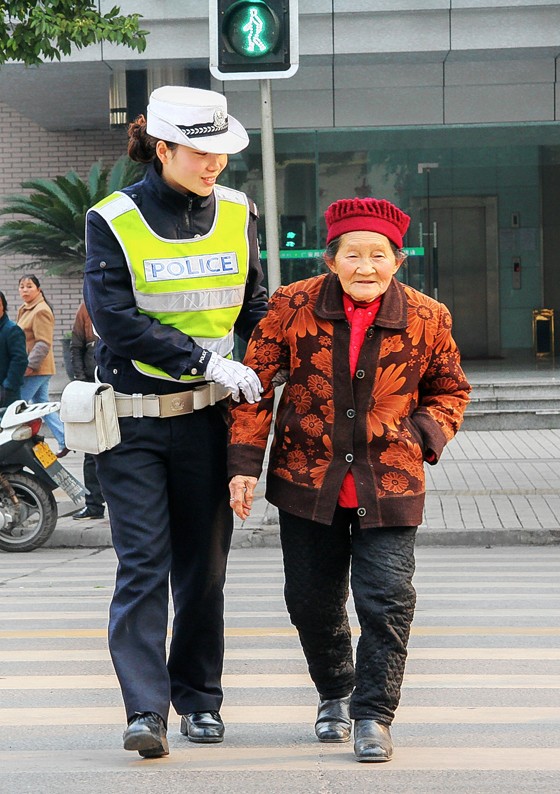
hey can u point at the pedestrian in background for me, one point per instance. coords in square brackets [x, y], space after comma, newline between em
[375, 388]
[13, 356]
[36, 318]
[172, 271]
[82, 350]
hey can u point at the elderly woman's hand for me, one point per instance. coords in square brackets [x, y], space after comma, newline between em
[241, 490]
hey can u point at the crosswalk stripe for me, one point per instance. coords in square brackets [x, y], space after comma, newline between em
[472, 589]
[422, 610]
[273, 654]
[225, 758]
[300, 758]
[287, 680]
[276, 714]
[285, 631]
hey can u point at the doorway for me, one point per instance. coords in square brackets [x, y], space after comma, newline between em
[460, 268]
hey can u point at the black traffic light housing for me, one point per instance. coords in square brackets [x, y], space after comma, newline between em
[253, 39]
[293, 232]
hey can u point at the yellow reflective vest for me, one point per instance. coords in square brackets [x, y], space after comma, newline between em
[195, 285]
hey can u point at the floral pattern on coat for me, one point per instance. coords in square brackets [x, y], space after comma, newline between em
[404, 403]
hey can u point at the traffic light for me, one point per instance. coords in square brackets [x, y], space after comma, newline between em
[253, 39]
[292, 232]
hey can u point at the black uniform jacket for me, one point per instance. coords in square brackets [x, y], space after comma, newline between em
[127, 334]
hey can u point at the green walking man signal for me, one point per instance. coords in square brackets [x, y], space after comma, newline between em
[256, 26]
[253, 39]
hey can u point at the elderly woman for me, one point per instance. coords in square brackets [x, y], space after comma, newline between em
[374, 389]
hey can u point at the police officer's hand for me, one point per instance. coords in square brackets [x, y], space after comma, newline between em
[234, 376]
[241, 490]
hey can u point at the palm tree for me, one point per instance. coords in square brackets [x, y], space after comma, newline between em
[52, 232]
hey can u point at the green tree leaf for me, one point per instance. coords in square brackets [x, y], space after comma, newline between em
[35, 30]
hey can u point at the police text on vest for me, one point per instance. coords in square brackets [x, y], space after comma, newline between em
[205, 266]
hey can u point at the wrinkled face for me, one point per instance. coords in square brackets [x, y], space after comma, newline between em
[28, 290]
[188, 170]
[365, 264]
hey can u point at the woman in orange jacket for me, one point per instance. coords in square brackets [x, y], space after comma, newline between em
[374, 389]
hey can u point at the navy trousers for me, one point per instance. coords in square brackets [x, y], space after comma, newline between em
[166, 489]
[94, 497]
[317, 562]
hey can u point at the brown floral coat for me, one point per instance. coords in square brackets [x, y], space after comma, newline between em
[405, 402]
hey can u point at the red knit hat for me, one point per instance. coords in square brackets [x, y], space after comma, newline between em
[366, 215]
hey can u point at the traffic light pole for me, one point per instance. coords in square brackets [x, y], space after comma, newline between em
[258, 40]
[269, 182]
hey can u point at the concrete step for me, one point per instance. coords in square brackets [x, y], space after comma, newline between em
[514, 405]
[485, 404]
[513, 419]
[518, 390]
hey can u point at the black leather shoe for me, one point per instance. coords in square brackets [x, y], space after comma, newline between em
[62, 452]
[333, 722]
[372, 741]
[204, 727]
[87, 514]
[146, 732]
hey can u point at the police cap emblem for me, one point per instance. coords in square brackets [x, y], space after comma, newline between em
[220, 119]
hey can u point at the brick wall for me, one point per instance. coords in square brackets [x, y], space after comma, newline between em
[27, 151]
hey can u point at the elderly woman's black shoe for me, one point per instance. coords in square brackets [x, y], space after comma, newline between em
[372, 741]
[333, 722]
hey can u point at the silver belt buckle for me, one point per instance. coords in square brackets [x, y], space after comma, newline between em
[175, 404]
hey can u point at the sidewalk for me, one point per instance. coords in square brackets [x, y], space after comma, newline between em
[491, 488]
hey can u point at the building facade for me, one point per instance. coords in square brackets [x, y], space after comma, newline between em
[450, 108]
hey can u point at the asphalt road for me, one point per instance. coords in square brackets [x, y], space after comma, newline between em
[480, 709]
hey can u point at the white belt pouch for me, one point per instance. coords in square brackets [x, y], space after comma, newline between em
[89, 413]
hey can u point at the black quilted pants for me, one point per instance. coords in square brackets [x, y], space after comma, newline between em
[317, 562]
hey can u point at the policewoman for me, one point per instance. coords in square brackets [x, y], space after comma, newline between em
[172, 272]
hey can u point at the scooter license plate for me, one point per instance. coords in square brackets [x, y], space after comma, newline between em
[44, 454]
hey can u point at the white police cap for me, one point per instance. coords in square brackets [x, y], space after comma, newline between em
[194, 117]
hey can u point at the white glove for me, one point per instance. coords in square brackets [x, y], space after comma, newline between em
[234, 376]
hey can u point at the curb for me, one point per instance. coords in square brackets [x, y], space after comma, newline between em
[97, 534]
[488, 537]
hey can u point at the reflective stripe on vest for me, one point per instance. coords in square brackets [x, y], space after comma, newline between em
[195, 285]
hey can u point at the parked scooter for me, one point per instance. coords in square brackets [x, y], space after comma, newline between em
[29, 473]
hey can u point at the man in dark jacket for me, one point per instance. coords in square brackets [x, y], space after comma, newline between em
[82, 348]
[13, 356]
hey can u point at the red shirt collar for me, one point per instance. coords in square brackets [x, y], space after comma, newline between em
[351, 305]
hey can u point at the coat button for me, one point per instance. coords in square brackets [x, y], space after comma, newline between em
[349, 457]
[361, 511]
[194, 371]
[360, 373]
[350, 413]
[115, 372]
[103, 264]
